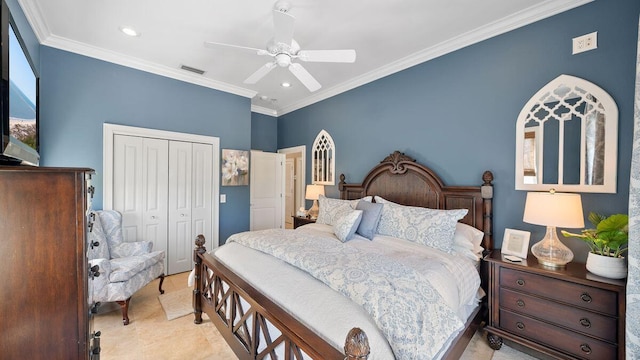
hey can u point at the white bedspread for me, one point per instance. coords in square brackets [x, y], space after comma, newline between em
[415, 334]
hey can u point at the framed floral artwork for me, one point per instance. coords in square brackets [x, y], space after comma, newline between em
[235, 167]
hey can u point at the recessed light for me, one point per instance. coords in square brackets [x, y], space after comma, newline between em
[264, 97]
[285, 84]
[129, 31]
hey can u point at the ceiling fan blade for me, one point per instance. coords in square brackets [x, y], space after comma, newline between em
[283, 23]
[211, 44]
[342, 56]
[260, 73]
[305, 78]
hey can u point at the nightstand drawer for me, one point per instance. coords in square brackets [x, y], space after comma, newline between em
[571, 293]
[577, 345]
[584, 321]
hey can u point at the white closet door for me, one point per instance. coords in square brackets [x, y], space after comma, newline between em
[140, 188]
[201, 192]
[180, 187]
[155, 177]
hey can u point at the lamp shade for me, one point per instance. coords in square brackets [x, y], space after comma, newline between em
[554, 209]
[313, 192]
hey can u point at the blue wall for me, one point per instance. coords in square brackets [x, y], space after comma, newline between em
[474, 96]
[79, 94]
[264, 132]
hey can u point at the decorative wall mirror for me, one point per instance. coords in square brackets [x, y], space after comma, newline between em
[323, 158]
[567, 139]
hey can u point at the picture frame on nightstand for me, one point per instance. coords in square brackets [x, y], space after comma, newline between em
[516, 242]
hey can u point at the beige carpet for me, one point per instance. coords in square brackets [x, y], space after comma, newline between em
[177, 303]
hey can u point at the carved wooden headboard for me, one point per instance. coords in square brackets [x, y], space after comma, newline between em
[399, 178]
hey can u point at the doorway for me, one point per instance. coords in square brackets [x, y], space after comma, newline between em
[294, 181]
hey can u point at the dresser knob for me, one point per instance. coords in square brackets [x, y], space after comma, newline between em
[586, 297]
[520, 325]
[585, 322]
[520, 282]
[585, 348]
[520, 303]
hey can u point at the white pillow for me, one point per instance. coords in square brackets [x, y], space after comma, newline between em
[345, 227]
[431, 227]
[331, 209]
[468, 237]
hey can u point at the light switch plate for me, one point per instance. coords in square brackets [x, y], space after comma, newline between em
[223, 198]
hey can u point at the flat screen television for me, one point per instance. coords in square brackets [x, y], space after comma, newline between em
[19, 87]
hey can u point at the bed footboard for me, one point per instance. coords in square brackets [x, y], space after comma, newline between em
[254, 326]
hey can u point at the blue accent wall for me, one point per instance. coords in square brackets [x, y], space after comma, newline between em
[79, 94]
[457, 113]
[264, 132]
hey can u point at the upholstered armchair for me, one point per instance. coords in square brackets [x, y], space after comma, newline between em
[123, 267]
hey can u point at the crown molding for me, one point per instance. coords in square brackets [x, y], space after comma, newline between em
[143, 65]
[525, 17]
[512, 22]
[264, 111]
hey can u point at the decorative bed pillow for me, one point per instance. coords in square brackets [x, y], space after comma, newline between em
[370, 218]
[431, 227]
[346, 225]
[332, 209]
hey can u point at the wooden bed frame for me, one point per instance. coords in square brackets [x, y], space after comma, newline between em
[397, 178]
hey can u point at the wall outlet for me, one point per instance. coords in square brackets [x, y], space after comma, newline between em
[585, 43]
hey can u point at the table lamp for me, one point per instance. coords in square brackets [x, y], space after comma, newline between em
[313, 192]
[553, 210]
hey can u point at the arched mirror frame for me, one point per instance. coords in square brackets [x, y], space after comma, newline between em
[610, 111]
[323, 160]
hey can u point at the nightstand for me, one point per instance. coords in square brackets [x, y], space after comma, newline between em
[299, 221]
[567, 313]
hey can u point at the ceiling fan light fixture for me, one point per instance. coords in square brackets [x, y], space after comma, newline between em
[129, 31]
[283, 60]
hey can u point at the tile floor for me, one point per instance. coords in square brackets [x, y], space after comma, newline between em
[151, 336]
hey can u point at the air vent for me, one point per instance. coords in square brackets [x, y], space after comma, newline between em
[192, 69]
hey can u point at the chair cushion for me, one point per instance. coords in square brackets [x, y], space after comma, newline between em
[101, 251]
[122, 269]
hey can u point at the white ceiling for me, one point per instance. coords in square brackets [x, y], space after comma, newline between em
[388, 36]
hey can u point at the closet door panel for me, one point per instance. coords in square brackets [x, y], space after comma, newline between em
[201, 195]
[180, 188]
[127, 183]
[155, 190]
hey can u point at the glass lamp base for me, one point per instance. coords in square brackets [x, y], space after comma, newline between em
[550, 252]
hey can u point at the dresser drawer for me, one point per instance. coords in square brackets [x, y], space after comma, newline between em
[584, 296]
[601, 326]
[574, 344]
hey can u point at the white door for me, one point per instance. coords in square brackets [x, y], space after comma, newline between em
[266, 190]
[290, 194]
[201, 193]
[180, 186]
[140, 188]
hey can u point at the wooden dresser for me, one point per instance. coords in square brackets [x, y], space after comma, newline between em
[567, 314]
[44, 292]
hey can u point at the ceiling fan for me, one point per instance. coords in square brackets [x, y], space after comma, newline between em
[283, 49]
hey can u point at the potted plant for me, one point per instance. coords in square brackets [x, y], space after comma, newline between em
[607, 242]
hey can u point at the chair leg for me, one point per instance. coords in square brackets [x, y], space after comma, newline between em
[124, 305]
[161, 277]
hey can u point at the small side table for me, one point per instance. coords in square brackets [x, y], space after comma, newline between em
[299, 221]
